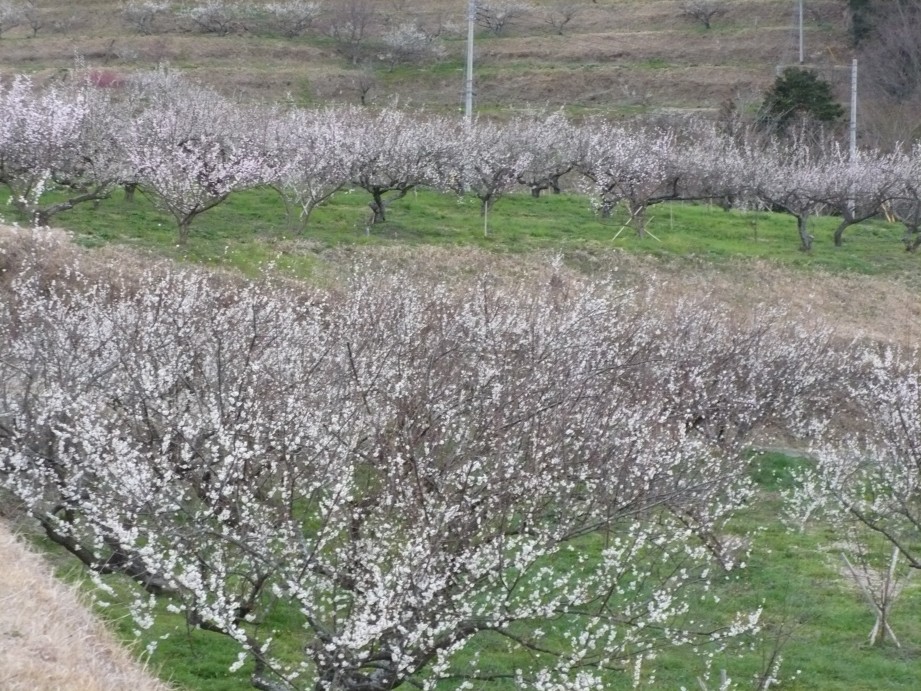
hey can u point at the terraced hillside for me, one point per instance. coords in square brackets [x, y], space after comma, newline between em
[614, 56]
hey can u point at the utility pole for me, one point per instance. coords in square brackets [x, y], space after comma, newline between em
[468, 86]
[800, 16]
[852, 203]
[853, 149]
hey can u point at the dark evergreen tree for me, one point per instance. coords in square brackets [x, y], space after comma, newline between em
[799, 93]
[861, 20]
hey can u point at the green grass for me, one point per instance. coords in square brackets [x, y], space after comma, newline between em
[249, 230]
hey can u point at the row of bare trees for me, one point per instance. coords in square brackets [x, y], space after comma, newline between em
[368, 18]
[494, 16]
[406, 469]
[188, 148]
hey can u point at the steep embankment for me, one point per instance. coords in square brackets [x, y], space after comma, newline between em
[48, 639]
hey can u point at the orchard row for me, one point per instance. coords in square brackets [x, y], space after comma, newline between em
[188, 149]
[365, 487]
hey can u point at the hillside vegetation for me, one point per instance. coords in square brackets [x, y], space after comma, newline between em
[65, 647]
[614, 56]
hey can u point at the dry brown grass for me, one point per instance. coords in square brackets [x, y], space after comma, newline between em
[875, 308]
[49, 640]
[615, 55]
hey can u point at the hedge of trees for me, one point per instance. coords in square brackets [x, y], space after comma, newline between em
[188, 148]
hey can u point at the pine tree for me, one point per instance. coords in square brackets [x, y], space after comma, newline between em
[799, 93]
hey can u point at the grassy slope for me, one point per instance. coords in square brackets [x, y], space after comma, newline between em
[616, 56]
[254, 221]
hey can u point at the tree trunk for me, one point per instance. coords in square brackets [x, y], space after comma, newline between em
[912, 237]
[378, 208]
[379, 205]
[555, 184]
[304, 220]
[851, 217]
[839, 231]
[804, 236]
[41, 218]
[183, 237]
[637, 211]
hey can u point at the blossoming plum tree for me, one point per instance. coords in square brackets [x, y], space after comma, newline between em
[905, 204]
[394, 152]
[58, 138]
[556, 146]
[486, 160]
[640, 167]
[856, 188]
[866, 480]
[790, 178]
[404, 467]
[189, 148]
[314, 156]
